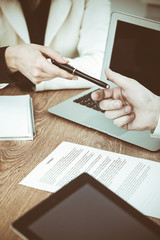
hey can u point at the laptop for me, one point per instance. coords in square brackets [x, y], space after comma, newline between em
[84, 209]
[132, 49]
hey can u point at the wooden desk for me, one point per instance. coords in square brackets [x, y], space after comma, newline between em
[18, 158]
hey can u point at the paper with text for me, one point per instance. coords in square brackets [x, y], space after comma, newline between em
[136, 180]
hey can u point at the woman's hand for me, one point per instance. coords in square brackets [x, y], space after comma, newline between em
[31, 61]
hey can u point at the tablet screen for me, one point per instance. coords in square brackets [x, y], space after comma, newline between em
[88, 214]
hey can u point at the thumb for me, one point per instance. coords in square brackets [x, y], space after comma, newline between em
[116, 78]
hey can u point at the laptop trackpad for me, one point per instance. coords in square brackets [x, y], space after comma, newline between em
[99, 122]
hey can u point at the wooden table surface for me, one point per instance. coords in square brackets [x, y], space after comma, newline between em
[18, 158]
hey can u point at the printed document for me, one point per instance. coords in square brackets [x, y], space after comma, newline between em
[136, 180]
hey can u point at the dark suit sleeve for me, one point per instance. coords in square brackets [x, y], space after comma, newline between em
[16, 78]
[4, 72]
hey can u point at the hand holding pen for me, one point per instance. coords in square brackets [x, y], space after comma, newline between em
[78, 73]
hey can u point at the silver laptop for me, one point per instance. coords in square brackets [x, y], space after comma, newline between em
[132, 49]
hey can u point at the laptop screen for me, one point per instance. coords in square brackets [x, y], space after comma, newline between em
[136, 54]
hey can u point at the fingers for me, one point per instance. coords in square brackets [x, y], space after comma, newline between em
[121, 114]
[45, 70]
[110, 104]
[111, 93]
[117, 78]
[124, 121]
[48, 52]
[102, 94]
[113, 114]
[54, 71]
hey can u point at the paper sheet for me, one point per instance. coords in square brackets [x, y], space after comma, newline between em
[136, 180]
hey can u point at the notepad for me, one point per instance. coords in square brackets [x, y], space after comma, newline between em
[16, 118]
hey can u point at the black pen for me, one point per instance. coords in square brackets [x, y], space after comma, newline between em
[78, 73]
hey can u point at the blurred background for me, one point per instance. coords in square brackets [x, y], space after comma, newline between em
[144, 8]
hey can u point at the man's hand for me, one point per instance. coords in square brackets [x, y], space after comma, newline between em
[130, 105]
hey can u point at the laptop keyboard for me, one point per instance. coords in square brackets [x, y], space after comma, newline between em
[88, 102]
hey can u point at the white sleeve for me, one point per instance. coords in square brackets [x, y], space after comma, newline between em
[156, 133]
[91, 46]
[3, 85]
[93, 35]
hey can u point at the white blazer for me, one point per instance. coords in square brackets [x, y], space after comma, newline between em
[76, 28]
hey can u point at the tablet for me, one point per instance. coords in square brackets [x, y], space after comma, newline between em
[85, 209]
